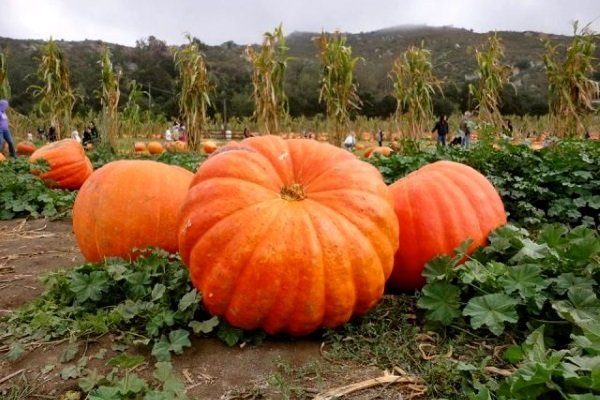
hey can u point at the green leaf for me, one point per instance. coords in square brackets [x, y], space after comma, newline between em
[69, 352]
[131, 383]
[527, 280]
[491, 310]
[530, 251]
[158, 291]
[189, 299]
[90, 381]
[70, 372]
[126, 361]
[440, 268]
[441, 300]
[179, 339]
[161, 350]
[513, 354]
[89, 286]
[228, 334]
[105, 393]
[205, 326]
[16, 351]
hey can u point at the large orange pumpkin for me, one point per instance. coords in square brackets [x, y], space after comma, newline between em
[288, 235]
[69, 167]
[25, 148]
[127, 205]
[438, 207]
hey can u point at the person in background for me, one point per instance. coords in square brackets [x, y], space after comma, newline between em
[442, 129]
[380, 137]
[94, 132]
[466, 129]
[5, 135]
[168, 135]
[246, 133]
[52, 134]
[350, 141]
[87, 136]
[41, 133]
[29, 136]
[75, 135]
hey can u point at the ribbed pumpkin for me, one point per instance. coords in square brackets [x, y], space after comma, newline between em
[25, 148]
[438, 207]
[209, 146]
[129, 204]
[139, 147]
[69, 167]
[155, 148]
[288, 235]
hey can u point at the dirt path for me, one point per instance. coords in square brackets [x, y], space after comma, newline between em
[210, 369]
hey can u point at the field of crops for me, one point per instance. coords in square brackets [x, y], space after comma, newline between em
[267, 275]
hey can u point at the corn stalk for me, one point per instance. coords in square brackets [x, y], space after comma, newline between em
[571, 90]
[268, 73]
[493, 75]
[110, 98]
[338, 89]
[194, 96]
[414, 86]
[4, 84]
[131, 114]
[56, 99]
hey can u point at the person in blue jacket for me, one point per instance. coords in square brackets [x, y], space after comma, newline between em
[4, 129]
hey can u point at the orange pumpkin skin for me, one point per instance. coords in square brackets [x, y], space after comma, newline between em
[288, 235]
[2, 158]
[127, 205]
[383, 150]
[69, 167]
[25, 148]
[155, 148]
[209, 147]
[139, 147]
[438, 207]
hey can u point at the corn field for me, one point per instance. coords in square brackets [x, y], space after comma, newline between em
[56, 98]
[570, 86]
[110, 98]
[268, 73]
[4, 84]
[338, 88]
[414, 87]
[493, 76]
[196, 88]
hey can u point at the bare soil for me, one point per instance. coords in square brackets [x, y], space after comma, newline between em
[210, 369]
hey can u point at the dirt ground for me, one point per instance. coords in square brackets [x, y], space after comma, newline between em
[211, 370]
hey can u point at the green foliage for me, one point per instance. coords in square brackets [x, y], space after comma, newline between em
[109, 98]
[23, 194]
[556, 184]
[543, 292]
[189, 160]
[149, 301]
[4, 83]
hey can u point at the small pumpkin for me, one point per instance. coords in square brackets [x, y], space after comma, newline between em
[127, 205]
[155, 148]
[383, 150]
[2, 158]
[139, 147]
[287, 235]
[439, 206]
[209, 146]
[25, 148]
[68, 166]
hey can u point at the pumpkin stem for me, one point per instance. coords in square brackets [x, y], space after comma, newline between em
[294, 192]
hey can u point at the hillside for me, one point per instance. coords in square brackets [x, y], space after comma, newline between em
[150, 62]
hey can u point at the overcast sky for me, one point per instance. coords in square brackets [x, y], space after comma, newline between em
[243, 21]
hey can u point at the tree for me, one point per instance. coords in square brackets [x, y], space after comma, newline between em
[194, 96]
[268, 73]
[56, 99]
[338, 89]
[493, 76]
[110, 98]
[414, 86]
[4, 84]
[571, 90]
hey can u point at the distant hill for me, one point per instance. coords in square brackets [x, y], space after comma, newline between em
[150, 62]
